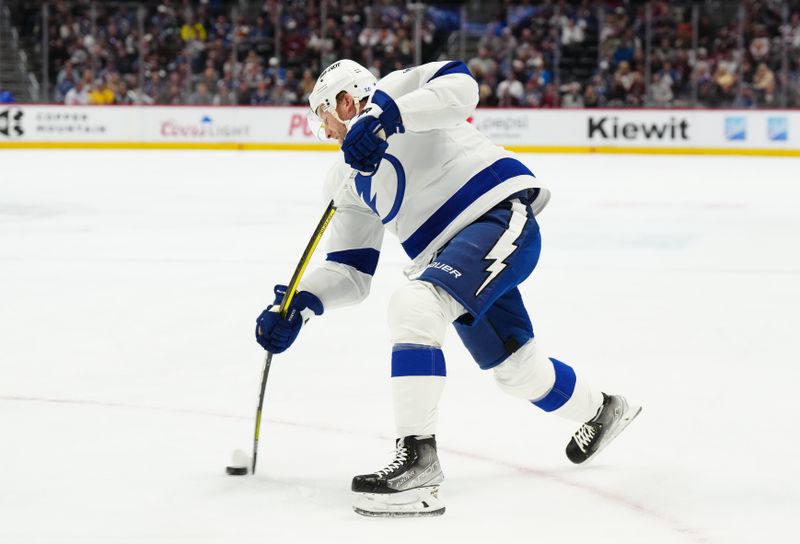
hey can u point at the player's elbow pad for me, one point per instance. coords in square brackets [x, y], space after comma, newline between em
[464, 98]
[361, 286]
[474, 93]
[463, 87]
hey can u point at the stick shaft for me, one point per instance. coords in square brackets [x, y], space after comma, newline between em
[287, 300]
[264, 375]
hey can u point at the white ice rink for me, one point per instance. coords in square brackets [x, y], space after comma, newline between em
[129, 286]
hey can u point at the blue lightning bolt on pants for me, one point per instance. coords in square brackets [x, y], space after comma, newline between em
[481, 268]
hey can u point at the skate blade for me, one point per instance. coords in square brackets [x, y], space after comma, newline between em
[420, 502]
[631, 411]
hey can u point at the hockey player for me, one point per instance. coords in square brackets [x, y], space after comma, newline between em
[464, 211]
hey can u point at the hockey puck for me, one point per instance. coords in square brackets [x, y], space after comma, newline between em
[236, 471]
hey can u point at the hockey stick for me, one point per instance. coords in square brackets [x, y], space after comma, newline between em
[284, 308]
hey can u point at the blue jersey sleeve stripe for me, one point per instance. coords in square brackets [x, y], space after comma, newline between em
[454, 67]
[481, 183]
[411, 360]
[562, 390]
[364, 260]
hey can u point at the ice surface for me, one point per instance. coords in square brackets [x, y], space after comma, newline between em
[129, 286]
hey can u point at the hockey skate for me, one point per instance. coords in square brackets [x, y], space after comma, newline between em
[407, 487]
[614, 415]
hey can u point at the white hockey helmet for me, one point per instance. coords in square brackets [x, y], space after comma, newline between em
[342, 75]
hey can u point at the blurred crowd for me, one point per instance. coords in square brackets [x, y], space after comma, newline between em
[202, 52]
[595, 54]
[551, 53]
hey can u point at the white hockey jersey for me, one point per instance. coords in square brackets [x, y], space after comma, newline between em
[437, 177]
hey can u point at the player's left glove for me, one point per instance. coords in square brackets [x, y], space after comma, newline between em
[365, 143]
[275, 334]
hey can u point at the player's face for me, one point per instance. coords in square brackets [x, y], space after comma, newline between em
[334, 122]
[334, 128]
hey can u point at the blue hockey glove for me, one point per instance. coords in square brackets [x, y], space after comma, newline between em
[365, 144]
[275, 334]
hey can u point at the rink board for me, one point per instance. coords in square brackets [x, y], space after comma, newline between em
[685, 132]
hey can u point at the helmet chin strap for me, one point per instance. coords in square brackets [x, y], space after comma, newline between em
[336, 116]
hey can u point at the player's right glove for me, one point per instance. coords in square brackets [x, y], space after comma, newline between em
[365, 143]
[275, 334]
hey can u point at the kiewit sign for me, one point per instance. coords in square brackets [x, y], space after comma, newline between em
[614, 128]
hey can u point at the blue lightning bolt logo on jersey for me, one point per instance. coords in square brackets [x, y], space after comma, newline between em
[505, 246]
[364, 190]
[369, 192]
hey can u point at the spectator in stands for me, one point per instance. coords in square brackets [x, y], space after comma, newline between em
[504, 46]
[510, 91]
[306, 85]
[274, 70]
[173, 95]
[100, 94]
[154, 83]
[263, 93]
[571, 32]
[225, 97]
[627, 48]
[193, 30]
[728, 63]
[670, 75]
[121, 90]
[243, 93]
[573, 97]
[6, 97]
[627, 85]
[228, 81]
[221, 29]
[65, 81]
[252, 70]
[281, 95]
[113, 84]
[591, 98]
[661, 91]
[164, 91]
[744, 97]
[292, 85]
[210, 77]
[294, 43]
[550, 96]
[482, 65]
[537, 65]
[794, 31]
[764, 85]
[724, 86]
[260, 34]
[533, 94]
[702, 64]
[135, 94]
[793, 84]
[759, 45]
[201, 96]
[78, 95]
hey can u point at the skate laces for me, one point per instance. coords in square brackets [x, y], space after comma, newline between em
[584, 436]
[400, 457]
